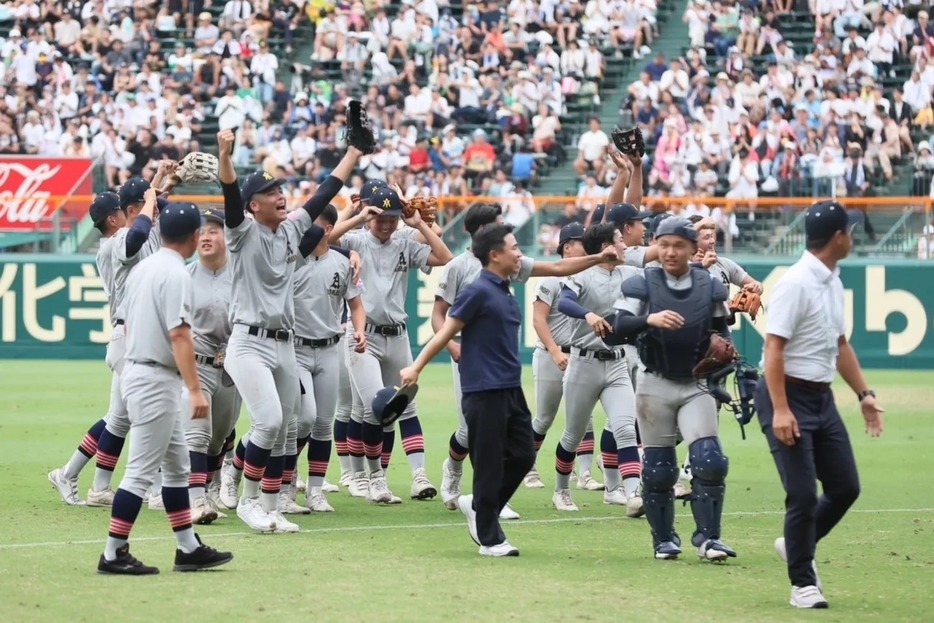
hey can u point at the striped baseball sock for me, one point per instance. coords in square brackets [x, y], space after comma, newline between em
[413, 442]
[109, 447]
[123, 515]
[319, 453]
[610, 464]
[255, 460]
[564, 463]
[340, 444]
[373, 446]
[630, 468]
[239, 456]
[178, 510]
[198, 477]
[538, 439]
[457, 453]
[229, 444]
[355, 446]
[272, 483]
[585, 452]
[288, 470]
[215, 463]
[85, 452]
[389, 442]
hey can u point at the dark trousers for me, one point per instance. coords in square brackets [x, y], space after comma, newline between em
[499, 431]
[823, 452]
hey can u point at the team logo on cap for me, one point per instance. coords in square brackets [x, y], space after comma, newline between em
[387, 204]
[267, 176]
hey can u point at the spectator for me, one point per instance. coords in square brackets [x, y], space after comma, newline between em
[591, 149]
[926, 242]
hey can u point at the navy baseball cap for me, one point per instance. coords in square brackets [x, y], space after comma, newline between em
[133, 191]
[388, 201]
[571, 231]
[370, 187]
[655, 220]
[622, 213]
[598, 213]
[258, 182]
[676, 226]
[390, 402]
[103, 206]
[179, 219]
[825, 218]
[212, 215]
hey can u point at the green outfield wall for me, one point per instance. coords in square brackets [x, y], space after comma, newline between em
[53, 307]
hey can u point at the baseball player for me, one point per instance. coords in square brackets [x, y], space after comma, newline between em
[261, 352]
[673, 308]
[387, 258]
[210, 327]
[597, 373]
[159, 358]
[109, 218]
[464, 270]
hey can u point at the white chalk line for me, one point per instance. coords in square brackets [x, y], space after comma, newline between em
[430, 526]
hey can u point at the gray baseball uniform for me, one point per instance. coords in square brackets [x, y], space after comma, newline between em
[210, 326]
[728, 272]
[158, 299]
[549, 378]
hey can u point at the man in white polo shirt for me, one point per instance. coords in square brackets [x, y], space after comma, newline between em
[805, 346]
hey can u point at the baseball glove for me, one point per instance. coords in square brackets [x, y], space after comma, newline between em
[745, 301]
[629, 142]
[197, 166]
[720, 353]
[426, 206]
[359, 132]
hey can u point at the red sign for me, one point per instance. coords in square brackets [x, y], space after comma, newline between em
[33, 189]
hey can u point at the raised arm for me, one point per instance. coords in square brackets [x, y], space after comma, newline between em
[233, 202]
[573, 265]
[333, 184]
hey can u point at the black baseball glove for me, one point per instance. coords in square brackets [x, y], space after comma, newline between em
[629, 142]
[359, 132]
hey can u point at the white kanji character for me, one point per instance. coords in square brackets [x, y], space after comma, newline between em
[88, 288]
[8, 302]
[32, 294]
[427, 286]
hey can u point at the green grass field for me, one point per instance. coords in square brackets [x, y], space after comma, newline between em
[415, 562]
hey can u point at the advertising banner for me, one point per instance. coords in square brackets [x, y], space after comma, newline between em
[32, 189]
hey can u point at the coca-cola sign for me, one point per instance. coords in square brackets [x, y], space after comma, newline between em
[33, 189]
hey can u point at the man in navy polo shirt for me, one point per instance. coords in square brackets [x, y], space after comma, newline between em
[499, 423]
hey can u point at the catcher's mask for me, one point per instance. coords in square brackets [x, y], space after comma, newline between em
[745, 380]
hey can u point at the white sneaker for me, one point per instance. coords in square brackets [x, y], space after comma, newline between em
[422, 489]
[394, 499]
[617, 496]
[509, 514]
[215, 504]
[230, 487]
[155, 502]
[202, 513]
[634, 506]
[345, 479]
[563, 501]
[328, 487]
[807, 597]
[533, 480]
[67, 487]
[255, 516]
[783, 554]
[283, 525]
[288, 506]
[359, 485]
[450, 485]
[378, 491]
[465, 504]
[497, 551]
[298, 484]
[317, 502]
[586, 482]
[682, 489]
[101, 498]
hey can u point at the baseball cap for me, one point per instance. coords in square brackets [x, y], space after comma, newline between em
[622, 213]
[571, 231]
[179, 219]
[258, 182]
[390, 402]
[370, 187]
[212, 215]
[386, 199]
[825, 218]
[598, 213]
[676, 226]
[133, 191]
[103, 206]
[655, 220]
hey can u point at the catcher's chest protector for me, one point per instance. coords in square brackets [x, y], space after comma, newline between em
[673, 354]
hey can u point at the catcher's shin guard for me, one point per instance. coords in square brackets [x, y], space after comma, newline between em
[659, 475]
[709, 467]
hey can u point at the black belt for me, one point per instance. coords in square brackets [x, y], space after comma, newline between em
[566, 350]
[154, 364]
[204, 359]
[304, 341]
[601, 355]
[821, 387]
[279, 335]
[117, 323]
[388, 330]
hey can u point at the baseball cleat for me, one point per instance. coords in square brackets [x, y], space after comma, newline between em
[563, 501]
[283, 525]
[634, 506]
[378, 491]
[101, 498]
[255, 516]
[359, 486]
[714, 550]
[202, 558]
[617, 496]
[230, 487]
[394, 499]
[214, 504]
[345, 479]
[509, 514]
[67, 487]
[498, 551]
[587, 482]
[124, 564]
[317, 502]
[465, 504]
[155, 502]
[328, 487]
[533, 480]
[450, 485]
[667, 550]
[807, 597]
[298, 484]
[202, 512]
[422, 489]
[288, 506]
[683, 489]
[780, 550]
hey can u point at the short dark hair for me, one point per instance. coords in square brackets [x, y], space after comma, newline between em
[329, 215]
[598, 235]
[489, 238]
[480, 214]
[695, 219]
[167, 239]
